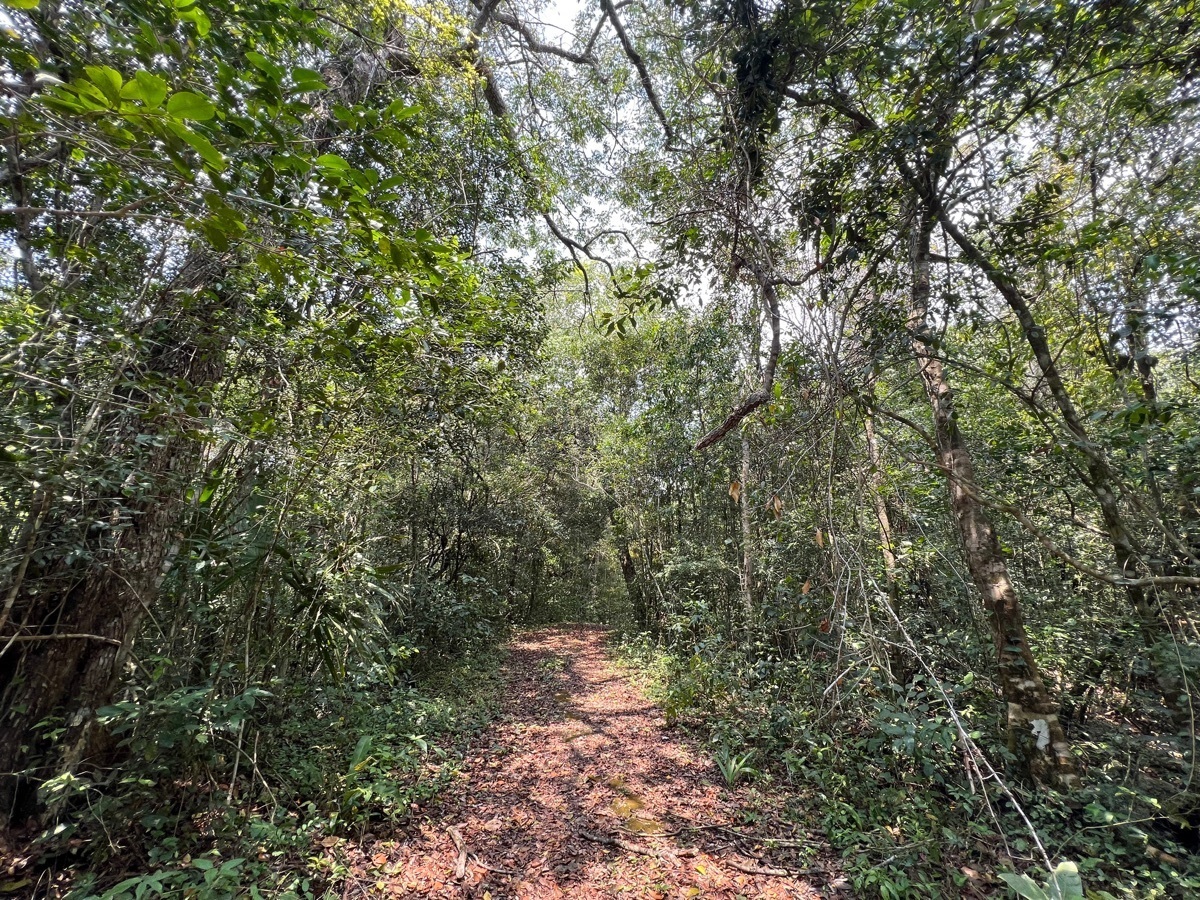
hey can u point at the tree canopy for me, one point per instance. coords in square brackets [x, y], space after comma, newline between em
[839, 356]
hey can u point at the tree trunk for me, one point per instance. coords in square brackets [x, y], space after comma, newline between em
[746, 576]
[1034, 733]
[74, 622]
[879, 503]
[1101, 480]
[641, 615]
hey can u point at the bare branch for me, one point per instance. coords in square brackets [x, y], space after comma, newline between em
[766, 388]
[587, 58]
[640, 64]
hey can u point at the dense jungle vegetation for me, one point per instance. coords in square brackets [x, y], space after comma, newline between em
[842, 356]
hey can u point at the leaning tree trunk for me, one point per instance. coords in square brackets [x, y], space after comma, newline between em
[72, 622]
[1130, 557]
[1035, 734]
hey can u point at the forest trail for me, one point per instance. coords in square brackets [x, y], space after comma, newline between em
[579, 790]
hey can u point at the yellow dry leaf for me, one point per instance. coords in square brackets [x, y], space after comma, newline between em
[820, 539]
[735, 491]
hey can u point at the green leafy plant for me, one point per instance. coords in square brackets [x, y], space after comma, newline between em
[1064, 883]
[735, 767]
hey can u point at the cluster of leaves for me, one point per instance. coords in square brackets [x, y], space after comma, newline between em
[321, 765]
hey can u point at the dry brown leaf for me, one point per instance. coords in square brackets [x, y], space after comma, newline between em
[735, 491]
[807, 586]
[820, 539]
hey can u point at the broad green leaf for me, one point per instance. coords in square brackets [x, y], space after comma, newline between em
[333, 163]
[199, 18]
[190, 107]
[308, 80]
[1066, 879]
[107, 79]
[200, 144]
[21, 4]
[153, 88]
[399, 110]
[1024, 886]
[91, 95]
[264, 65]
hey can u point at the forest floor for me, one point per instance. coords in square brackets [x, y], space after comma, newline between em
[580, 790]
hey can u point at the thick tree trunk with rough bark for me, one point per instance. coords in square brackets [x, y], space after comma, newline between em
[1035, 734]
[73, 622]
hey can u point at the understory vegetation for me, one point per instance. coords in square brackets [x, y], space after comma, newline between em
[841, 357]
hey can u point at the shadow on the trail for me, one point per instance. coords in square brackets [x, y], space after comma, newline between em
[550, 689]
[574, 788]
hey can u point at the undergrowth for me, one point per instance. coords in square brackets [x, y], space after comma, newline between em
[252, 794]
[879, 776]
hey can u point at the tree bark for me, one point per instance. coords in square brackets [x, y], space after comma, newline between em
[1035, 734]
[746, 576]
[879, 503]
[73, 623]
[1101, 480]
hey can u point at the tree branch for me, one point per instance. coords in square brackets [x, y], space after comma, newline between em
[640, 64]
[766, 388]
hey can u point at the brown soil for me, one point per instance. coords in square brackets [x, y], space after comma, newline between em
[581, 790]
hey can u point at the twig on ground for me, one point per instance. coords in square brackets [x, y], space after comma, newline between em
[496, 869]
[460, 865]
[610, 841]
[757, 870]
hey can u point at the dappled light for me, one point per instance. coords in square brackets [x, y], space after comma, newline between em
[832, 367]
[629, 807]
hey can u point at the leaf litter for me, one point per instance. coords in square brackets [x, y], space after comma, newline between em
[594, 796]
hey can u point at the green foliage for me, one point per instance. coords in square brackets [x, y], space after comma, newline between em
[735, 767]
[299, 411]
[303, 769]
[1064, 884]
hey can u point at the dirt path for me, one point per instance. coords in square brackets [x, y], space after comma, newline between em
[580, 790]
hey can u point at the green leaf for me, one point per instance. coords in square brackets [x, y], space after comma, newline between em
[107, 79]
[1024, 886]
[200, 144]
[199, 18]
[21, 4]
[308, 80]
[153, 89]
[189, 106]
[1066, 879]
[264, 65]
[331, 162]
[399, 110]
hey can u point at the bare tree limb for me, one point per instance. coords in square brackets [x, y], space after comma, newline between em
[766, 387]
[640, 64]
[587, 58]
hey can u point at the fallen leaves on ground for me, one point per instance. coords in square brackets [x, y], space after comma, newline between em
[579, 790]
